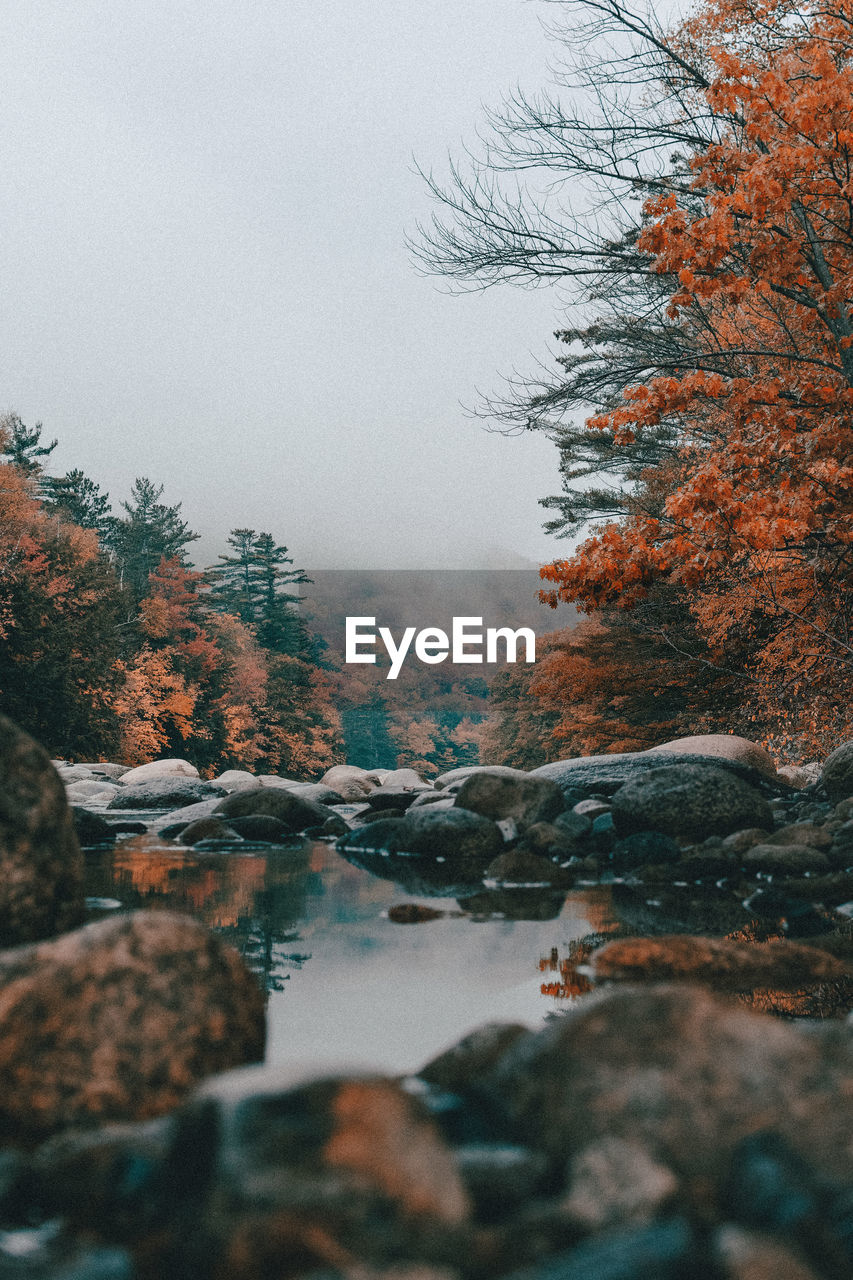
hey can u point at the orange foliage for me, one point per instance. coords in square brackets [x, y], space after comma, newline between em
[758, 521]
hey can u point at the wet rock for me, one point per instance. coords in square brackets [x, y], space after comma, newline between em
[604, 775]
[551, 840]
[787, 859]
[810, 833]
[173, 768]
[119, 1020]
[451, 833]
[460, 1068]
[719, 962]
[261, 827]
[206, 829]
[165, 792]
[413, 913]
[723, 746]
[513, 902]
[174, 822]
[682, 1072]
[91, 828]
[837, 774]
[740, 841]
[575, 824]
[689, 800]
[749, 1255]
[334, 827]
[350, 782]
[614, 1183]
[41, 866]
[295, 813]
[518, 867]
[525, 799]
[643, 848]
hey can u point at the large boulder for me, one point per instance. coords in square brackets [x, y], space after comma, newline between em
[837, 774]
[723, 746]
[294, 812]
[454, 778]
[351, 783]
[162, 793]
[583, 776]
[174, 768]
[119, 1021]
[689, 800]
[684, 1073]
[523, 799]
[41, 866]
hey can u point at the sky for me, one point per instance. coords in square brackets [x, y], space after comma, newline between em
[205, 277]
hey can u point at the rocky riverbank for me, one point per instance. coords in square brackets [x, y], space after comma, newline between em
[666, 1126]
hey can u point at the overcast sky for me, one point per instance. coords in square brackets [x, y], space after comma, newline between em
[205, 281]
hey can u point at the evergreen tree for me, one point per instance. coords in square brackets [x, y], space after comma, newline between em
[22, 445]
[79, 500]
[148, 532]
[253, 582]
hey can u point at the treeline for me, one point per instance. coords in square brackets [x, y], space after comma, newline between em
[113, 646]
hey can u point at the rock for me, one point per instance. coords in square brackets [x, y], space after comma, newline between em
[689, 800]
[206, 829]
[435, 799]
[591, 808]
[452, 833]
[333, 827]
[818, 837]
[613, 1183]
[160, 769]
[394, 798]
[413, 913]
[577, 825]
[682, 1072]
[585, 776]
[107, 769]
[454, 778]
[161, 793]
[719, 962]
[787, 859]
[350, 782]
[526, 800]
[740, 841]
[663, 1250]
[317, 793]
[837, 774]
[749, 1255]
[723, 746]
[291, 809]
[178, 818]
[93, 791]
[260, 827]
[459, 1068]
[234, 779]
[41, 866]
[91, 828]
[642, 849]
[551, 840]
[396, 779]
[518, 867]
[499, 1178]
[118, 1021]
[799, 777]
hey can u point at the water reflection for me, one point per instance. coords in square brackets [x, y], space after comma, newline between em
[345, 982]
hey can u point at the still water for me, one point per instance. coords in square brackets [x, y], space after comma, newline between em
[346, 985]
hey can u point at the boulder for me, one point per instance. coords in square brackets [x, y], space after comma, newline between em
[450, 835]
[294, 812]
[234, 779]
[187, 813]
[162, 793]
[92, 791]
[262, 827]
[41, 866]
[519, 867]
[453, 778]
[317, 793]
[684, 1073]
[785, 859]
[837, 775]
[159, 769]
[799, 777]
[524, 799]
[91, 828]
[460, 1068]
[399, 778]
[723, 746]
[689, 800]
[350, 782]
[206, 829]
[585, 776]
[119, 1021]
[613, 1182]
[721, 963]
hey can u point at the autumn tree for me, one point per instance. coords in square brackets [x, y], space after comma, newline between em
[730, 406]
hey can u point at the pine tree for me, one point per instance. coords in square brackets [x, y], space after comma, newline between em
[150, 531]
[253, 583]
[22, 445]
[80, 501]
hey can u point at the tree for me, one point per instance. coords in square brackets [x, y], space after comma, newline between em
[254, 583]
[22, 445]
[79, 500]
[731, 405]
[148, 532]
